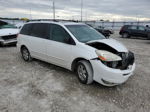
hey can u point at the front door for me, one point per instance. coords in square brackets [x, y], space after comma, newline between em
[142, 31]
[58, 51]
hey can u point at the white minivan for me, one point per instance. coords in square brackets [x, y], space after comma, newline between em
[79, 48]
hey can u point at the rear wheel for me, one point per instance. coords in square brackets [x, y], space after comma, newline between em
[26, 54]
[125, 35]
[84, 72]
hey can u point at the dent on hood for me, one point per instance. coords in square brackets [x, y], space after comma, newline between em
[110, 45]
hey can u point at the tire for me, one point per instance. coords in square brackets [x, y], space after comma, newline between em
[84, 72]
[125, 35]
[1, 45]
[26, 54]
[148, 36]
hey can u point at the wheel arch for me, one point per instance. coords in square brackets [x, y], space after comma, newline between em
[75, 61]
[22, 46]
[21, 51]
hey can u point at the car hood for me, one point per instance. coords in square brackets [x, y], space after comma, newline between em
[112, 43]
[8, 31]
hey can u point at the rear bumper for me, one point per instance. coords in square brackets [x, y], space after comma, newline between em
[109, 76]
[9, 41]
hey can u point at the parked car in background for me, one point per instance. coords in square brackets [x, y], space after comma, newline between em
[8, 34]
[105, 31]
[134, 30]
[79, 48]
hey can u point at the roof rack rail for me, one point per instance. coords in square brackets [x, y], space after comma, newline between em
[52, 20]
[55, 20]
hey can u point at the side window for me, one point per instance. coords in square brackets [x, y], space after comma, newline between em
[40, 30]
[59, 34]
[26, 29]
[133, 27]
[141, 28]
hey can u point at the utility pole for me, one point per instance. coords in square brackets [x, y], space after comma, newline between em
[81, 9]
[30, 14]
[54, 9]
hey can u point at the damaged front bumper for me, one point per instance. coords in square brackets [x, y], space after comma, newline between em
[110, 76]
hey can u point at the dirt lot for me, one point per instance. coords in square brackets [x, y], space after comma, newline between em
[41, 87]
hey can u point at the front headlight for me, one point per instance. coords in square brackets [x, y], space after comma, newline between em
[107, 56]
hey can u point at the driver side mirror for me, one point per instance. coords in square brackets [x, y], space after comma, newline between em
[69, 41]
[107, 37]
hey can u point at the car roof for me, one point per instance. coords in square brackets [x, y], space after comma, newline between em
[59, 22]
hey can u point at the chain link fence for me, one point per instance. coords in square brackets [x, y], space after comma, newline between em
[115, 25]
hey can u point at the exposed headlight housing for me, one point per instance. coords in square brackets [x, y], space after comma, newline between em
[107, 56]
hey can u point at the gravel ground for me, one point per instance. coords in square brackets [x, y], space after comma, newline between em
[41, 87]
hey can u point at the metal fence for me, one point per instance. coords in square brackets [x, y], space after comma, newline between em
[112, 25]
[115, 25]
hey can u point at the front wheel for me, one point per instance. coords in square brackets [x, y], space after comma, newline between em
[85, 72]
[26, 54]
[125, 35]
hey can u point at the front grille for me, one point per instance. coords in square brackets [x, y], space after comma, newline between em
[127, 60]
[9, 37]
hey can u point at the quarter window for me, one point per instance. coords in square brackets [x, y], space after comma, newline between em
[26, 29]
[40, 30]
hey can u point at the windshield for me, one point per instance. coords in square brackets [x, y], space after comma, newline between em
[84, 33]
[7, 26]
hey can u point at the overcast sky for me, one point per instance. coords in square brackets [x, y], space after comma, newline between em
[70, 9]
